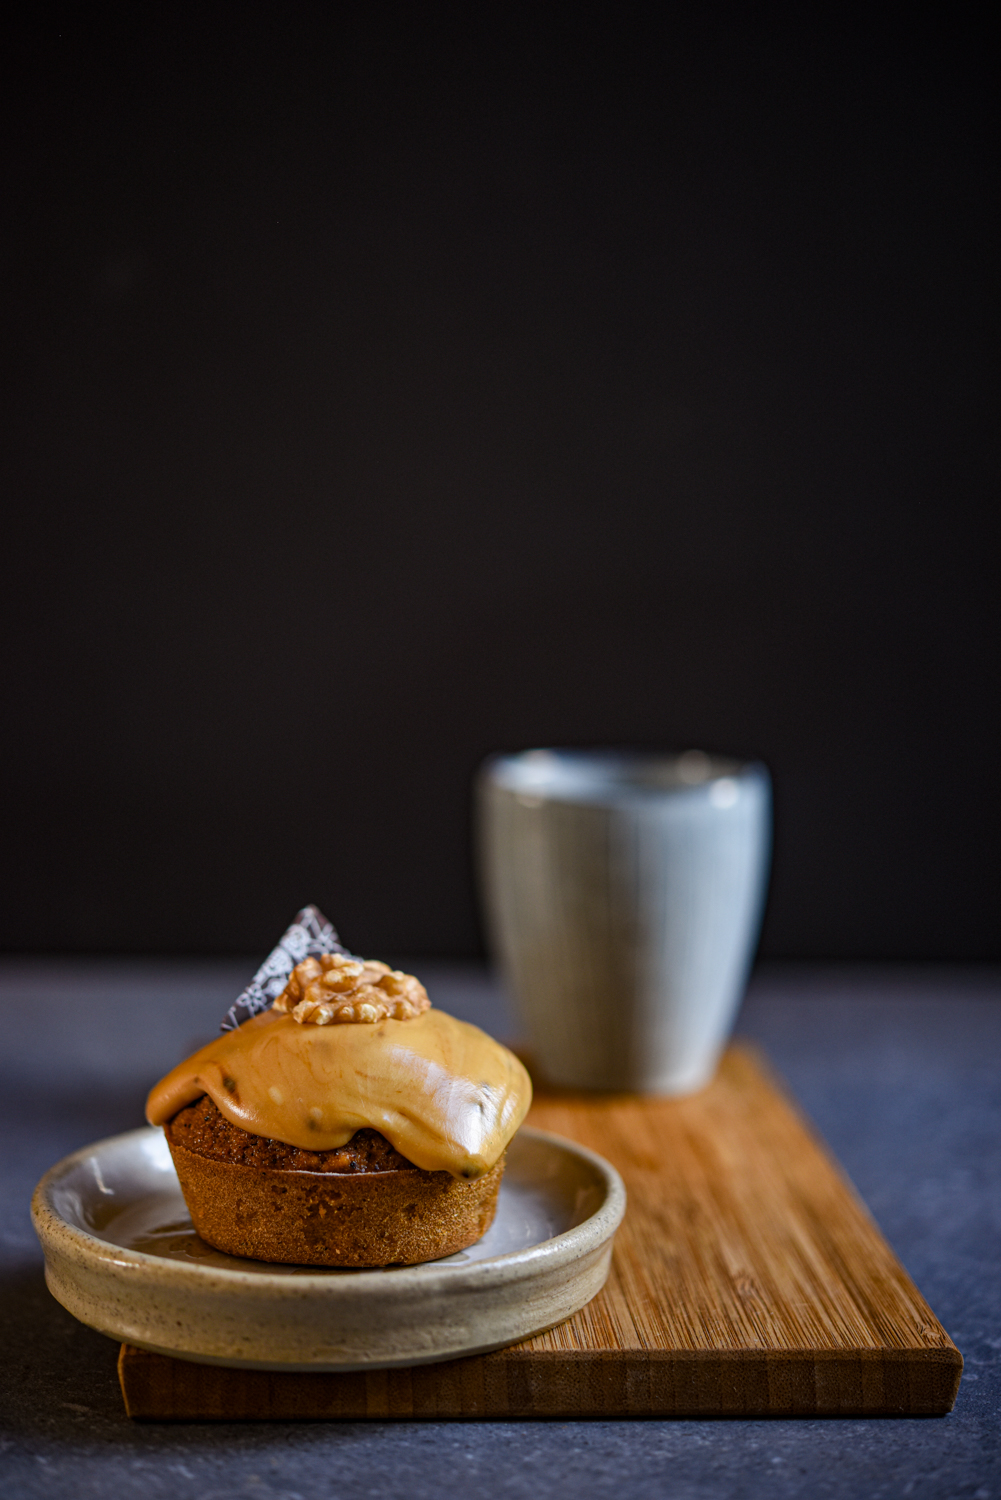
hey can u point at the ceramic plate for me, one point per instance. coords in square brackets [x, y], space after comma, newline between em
[121, 1255]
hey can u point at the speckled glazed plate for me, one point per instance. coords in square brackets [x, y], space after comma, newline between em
[121, 1255]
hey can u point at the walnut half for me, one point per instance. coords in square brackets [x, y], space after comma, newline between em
[335, 990]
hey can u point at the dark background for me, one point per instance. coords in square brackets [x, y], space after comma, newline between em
[385, 385]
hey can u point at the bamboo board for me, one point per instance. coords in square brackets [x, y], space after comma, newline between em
[748, 1279]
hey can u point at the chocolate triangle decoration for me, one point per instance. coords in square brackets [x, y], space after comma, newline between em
[309, 936]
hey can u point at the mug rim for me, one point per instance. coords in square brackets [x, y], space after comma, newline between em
[564, 774]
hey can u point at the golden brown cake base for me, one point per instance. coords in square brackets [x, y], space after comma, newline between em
[330, 1218]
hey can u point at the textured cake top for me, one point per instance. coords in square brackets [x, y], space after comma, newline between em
[321, 1045]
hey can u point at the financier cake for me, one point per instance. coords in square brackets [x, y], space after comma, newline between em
[347, 1124]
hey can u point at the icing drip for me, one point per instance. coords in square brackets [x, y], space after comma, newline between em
[445, 1094]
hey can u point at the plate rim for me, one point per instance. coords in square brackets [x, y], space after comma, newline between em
[595, 1228]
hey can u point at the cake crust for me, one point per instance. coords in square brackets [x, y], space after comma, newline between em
[362, 1205]
[205, 1130]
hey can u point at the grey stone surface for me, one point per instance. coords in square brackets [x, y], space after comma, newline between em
[900, 1070]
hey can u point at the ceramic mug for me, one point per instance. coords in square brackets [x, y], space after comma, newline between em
[623, 896]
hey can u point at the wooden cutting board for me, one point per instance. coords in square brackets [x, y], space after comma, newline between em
[748, 1279]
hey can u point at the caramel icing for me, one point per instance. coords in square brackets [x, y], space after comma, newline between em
[446, 1095]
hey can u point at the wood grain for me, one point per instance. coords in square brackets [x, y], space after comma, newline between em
[748, 1279]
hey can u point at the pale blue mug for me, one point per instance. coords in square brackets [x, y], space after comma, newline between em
[624, 894]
